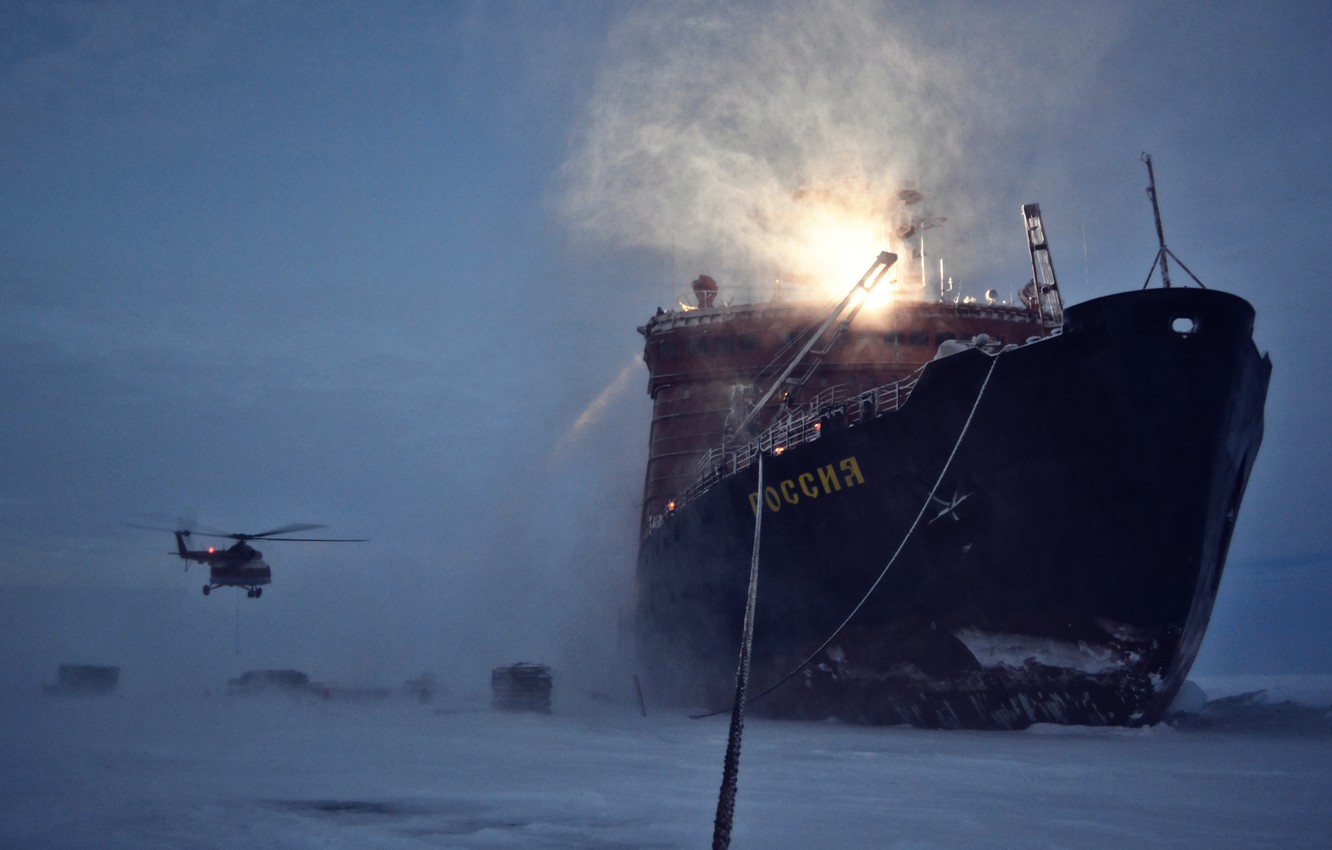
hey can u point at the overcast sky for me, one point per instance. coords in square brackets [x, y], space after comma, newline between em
[379, 266]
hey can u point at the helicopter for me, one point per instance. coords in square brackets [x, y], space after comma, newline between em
[240, 565]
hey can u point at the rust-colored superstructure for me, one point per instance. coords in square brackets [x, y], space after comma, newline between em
[706, 365]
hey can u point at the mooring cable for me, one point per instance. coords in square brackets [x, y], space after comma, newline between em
[921, 513]
[721, 828]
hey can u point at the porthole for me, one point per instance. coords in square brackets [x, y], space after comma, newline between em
[1184, 325]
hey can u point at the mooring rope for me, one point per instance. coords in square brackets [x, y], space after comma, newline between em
[721, 828]
[921, 513]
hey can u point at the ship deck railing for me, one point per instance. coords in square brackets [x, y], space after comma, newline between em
[834, 407]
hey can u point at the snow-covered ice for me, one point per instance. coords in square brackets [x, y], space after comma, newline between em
[130, 771]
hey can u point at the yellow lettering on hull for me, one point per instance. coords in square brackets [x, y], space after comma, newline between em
[806, 480]
[824, 480]
[851, 471]
[828, 478]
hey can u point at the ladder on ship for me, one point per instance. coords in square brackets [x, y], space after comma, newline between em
[1044, 294]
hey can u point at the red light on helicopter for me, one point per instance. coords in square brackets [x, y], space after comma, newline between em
[818, 426]
[670, 506]
[211, 550]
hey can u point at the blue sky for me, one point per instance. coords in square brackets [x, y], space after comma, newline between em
[366, 264]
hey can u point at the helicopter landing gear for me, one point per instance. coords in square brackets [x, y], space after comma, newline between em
[254, 592]
[207, 589]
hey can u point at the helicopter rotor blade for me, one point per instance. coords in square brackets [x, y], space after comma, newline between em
[285, 529]
[184, 522]
[320, 539]
[185, 529]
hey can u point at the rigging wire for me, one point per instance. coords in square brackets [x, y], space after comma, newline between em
[916, 522]
[779, 358]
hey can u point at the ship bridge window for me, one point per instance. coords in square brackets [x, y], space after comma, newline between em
[941, 338]
[749, 342]
[724, 344]
[667, 350]
[918, 338]
[698, 345]
[894, 337]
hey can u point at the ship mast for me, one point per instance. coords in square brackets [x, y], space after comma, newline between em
[1160, 231]
[1163, 251]
[884, 262]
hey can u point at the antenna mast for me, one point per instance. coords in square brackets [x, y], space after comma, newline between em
[1163, 252]
[1160, 231]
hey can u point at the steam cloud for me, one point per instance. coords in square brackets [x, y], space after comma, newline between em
[739, 137]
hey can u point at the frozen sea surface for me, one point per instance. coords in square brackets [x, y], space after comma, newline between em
[127, 771]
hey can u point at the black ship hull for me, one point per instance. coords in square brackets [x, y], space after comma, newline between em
[1056, 517]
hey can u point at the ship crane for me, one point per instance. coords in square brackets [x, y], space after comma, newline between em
[867, 281]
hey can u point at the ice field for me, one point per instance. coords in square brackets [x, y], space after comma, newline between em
[229, 771]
